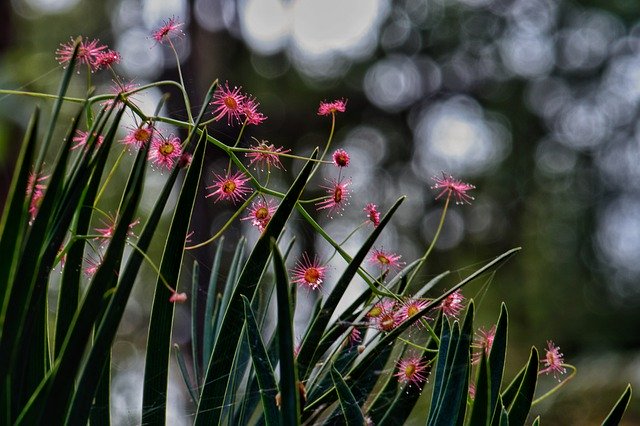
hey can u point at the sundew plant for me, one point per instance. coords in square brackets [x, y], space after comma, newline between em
[399, 351]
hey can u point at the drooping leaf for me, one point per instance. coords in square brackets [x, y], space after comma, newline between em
[616, 413]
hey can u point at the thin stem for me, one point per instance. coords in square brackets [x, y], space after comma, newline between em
[424, 348]
[225, 226]
[187, 104]
[326, 148]
[109, 176]
[433, 242]
[153, 266]
[574, 370]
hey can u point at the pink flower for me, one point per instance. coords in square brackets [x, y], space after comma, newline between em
[81, 138]
[185, 160]
[165, 152]
[381, 307]
[267, 154]
[472, 390]
[35, 193]
[93, 265]
[373, 215]
[260, 213]
[354, 336]
[338, 196]
[230, 103]
[109, 226]
[341, 158]
[139, 137]
[412, 370]
[385, 260]
[482, 342]
[452, 304]
[451, 186]
[106, 59]
[326, 108]
[229, 187]
[553, 361]
[178, 297]
[249, 108]
[308, 273]
[88, 52]
[384, 316]
[410, 308]
[117, 89]
[170, 28]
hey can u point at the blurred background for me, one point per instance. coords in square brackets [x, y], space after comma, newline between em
[533, 101]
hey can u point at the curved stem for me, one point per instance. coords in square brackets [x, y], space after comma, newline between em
[326, 148]
[433, 242]
[423, 348]
[574, 370]
[153, 266]
[183, 89]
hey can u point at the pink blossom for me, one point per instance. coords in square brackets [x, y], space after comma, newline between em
[35, 193]
[178, 297]
[229, 187]
[139, 136]
[326, 108]
[354, 336]
[109, 227]
[413, 371]
[267, 154]
[381, 307]
[553, 361]
[229, 102]
[81, 138]
[338, 196]
[117, 89]
[384, 316]
[185, 160]
[249, 108]
[452, 304]
[482, 342]
[260, 213]
[93, 264]
[106, 59]
[309, 273]
[373, 215]
[410, 308]
[385, 260]
[451, 186]
[170, 28]
[88, 52]
[341, 158]
[164, 153]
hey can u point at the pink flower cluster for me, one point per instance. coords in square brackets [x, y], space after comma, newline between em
[236, 106]
[91, 53]
[35, 193]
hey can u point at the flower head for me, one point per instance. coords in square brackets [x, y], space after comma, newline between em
[139, 136]
[230, 187]
[384, 316]
[341, 158]
[413, 370]
[81, 138]
[553, 361]
[373, 215]
[93, 264]
[119, 88]
[410, 308]
[354, 336]
[249, 108]
[260, 213]
[482, 342]
[338, 196]
[385, 260]
[264, 153]
[178, 297]
[229, 102]
[185, 160]
[380, 307]
[165, 152]
[451, 186]
[88, 52]
[106, 59]
[326, 108]
[452, 304]
[309, 273]
[109, 227]
[170, 28]
[35, 193]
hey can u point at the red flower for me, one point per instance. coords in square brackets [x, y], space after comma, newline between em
[229, 187]
[412, 370]
[170, 28]
[164, 153]
[229, 102]
[338, 196]
[326, 108]
[451, 186]
[309, 273]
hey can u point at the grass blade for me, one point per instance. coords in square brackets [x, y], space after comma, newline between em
[350, 409]
[616, 413]
[519, 409]
[497, 357]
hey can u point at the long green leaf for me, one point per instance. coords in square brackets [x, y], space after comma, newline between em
[263, 368]
[195, 319]
[216, 378]
[519, 409]
[154, 395]
[480, 412]
[497, 358]
[350, 409]
[309, 354]
[615, 415]
[210, 310]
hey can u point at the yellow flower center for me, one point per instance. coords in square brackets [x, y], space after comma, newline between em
[312, 275]
[166, 149]
[337, 195]
[376, 311]
[228, 187]
[412, 310]
[143, 135]
[230, 102]
[410, 370]
[383, 259]
[262, 213]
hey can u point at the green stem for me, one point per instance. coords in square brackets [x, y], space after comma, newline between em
[109, 176]
[574, 370]
[326, 148]
[433, 242]
[187, 104]
[153, 266]
[423, 348]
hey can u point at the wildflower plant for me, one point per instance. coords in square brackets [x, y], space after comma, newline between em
[368, 362]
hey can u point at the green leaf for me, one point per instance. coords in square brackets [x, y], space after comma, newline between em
[519, 409]
[216, 378]
[182, 365]
[350, 409]
[230, 284]
[616, 413]
[154, 394]
[100, 415]
[195, 318]
[497, 358]
[480, 412]
[263, 368]
[290, 403]
[211, 308]
[536, 422]
[309, 354]
[14, 215]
